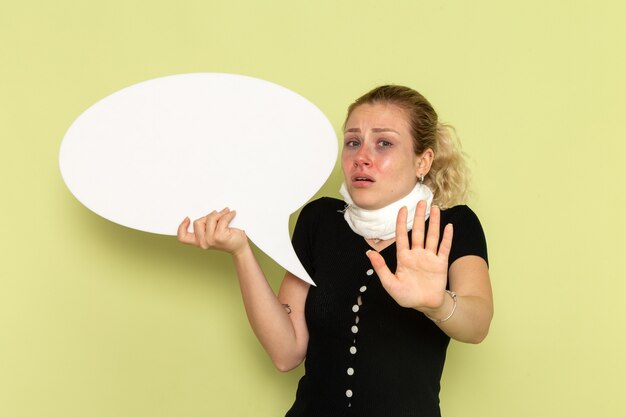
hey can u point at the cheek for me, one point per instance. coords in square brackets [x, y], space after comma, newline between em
[400, 169]
[386, 164]
[346, 163]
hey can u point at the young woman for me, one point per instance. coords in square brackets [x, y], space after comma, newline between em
[400, 268]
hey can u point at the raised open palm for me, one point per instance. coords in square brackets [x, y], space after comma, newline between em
[421, 275]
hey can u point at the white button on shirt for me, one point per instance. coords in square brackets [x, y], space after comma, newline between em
[355, 329]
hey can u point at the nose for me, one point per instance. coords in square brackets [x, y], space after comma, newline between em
[362, 157]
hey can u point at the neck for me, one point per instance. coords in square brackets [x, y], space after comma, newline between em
[380, 224]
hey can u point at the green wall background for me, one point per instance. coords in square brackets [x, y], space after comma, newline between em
[100, 320]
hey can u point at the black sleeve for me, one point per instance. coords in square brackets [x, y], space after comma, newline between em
[303, 235]
[468, 237]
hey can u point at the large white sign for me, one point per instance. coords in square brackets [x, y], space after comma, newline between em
[183, 145]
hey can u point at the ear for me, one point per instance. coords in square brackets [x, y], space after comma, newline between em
[423, 162]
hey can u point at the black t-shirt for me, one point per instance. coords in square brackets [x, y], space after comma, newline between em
[367, 356]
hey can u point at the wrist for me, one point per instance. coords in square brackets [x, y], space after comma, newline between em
[445, 311]
[242, 251]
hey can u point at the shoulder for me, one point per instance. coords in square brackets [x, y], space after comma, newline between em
[321, 207]
[468, 237]
[325, 204]
[461, 214]
[324, 212]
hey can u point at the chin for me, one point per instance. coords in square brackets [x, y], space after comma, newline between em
[367, 203]
[366, 198]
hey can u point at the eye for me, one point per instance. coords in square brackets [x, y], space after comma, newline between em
[351, 143]
[383, 143]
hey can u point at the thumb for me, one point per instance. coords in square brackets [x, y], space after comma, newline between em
[183, 234]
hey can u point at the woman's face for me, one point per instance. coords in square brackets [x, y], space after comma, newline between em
[378, 161]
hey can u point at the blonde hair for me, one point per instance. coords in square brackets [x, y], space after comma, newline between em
[448, 177]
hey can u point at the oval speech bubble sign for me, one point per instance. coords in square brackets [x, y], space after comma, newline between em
[183, 145]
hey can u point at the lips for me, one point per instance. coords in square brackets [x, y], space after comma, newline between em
[362, 181]
[362, 178]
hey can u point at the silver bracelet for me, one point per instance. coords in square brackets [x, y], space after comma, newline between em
[453, 295]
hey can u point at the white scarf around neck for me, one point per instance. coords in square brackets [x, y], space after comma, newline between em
[381, 223]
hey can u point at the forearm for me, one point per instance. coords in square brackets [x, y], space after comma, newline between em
[267, 316]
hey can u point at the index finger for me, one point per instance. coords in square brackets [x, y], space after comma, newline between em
[402, 240]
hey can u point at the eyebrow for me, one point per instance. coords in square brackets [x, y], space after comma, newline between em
[375, 130]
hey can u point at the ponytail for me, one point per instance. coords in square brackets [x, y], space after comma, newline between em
[448, 177]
